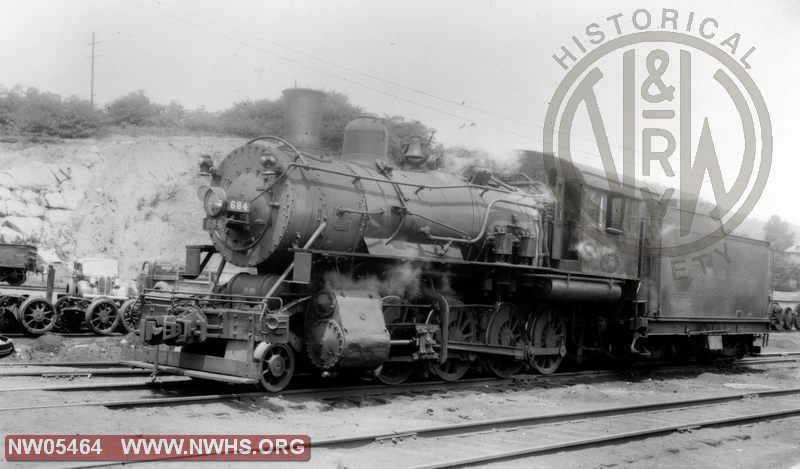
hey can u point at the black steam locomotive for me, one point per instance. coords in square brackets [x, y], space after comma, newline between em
[373, 267]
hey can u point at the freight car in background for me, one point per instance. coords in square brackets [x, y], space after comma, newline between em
[373, 267]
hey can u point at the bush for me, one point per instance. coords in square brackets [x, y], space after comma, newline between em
[253, 118]
[133, 109]
[45, 114]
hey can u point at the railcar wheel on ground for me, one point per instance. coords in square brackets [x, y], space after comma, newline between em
[277, 367]
[17, 278]
[8, 322]
[461, 328]
[36, 315]
[6, 346]
[548, 330]
[789, 318]
[102, 316]
[129, 315]
[395, 311]
[506, 327]
[71, 312]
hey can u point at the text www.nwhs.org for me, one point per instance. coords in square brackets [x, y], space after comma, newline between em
[149, 447]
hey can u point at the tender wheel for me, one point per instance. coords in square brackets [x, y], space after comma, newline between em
[102, 316]
[129, 315]
[37, 315]
[461, 328]
[277, 367]
[506, 327]
[547, 330]
[394, 373]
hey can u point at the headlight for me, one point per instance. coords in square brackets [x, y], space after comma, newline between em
[214, 201]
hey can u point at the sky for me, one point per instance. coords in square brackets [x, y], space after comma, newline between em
[480, 72]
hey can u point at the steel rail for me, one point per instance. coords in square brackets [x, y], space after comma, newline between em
[344, 392]
[66, 364]
[316, 393]
[538, 419]
[111, 385]
[90, 371]
[608, 438]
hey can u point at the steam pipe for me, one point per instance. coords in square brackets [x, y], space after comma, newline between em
[400, 183]
[485, 222]
[288, 270]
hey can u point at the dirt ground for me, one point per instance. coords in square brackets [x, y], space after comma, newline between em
[761, 445]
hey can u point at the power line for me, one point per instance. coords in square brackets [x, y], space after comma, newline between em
[348, 80]
[462, 103]
[371, 76]
[11, 13]
[91, 86]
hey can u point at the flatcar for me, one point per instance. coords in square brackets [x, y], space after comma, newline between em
[377, 267]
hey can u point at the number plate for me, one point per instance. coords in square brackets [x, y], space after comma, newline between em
[239, 205]
[213, 224]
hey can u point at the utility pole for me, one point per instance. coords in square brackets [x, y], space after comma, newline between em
[91, 95]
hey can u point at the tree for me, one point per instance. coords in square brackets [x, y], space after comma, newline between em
[778, 234]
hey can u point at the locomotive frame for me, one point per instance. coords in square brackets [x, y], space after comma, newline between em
[502, 273]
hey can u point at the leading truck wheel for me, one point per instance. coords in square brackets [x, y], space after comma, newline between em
[37, 315]
[277, 367]
[395, 373]
[102, 316]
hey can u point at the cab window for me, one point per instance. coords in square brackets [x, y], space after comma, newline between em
[595, 207]
[622, 215]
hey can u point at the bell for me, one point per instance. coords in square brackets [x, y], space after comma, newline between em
[414, 156]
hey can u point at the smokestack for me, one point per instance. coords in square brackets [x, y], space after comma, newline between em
[302, 116]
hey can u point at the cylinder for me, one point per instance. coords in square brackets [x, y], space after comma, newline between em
[302, 116]
[246, 284]
[577, 290]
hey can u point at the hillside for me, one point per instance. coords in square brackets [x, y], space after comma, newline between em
[130, 198]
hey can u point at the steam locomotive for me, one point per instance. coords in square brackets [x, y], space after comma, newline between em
[374, 267]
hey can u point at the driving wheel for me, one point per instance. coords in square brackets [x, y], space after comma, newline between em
[506, 327]
[548, 330]
[460, 328]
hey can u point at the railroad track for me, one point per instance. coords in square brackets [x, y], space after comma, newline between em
[327, 393]
[486, 441]
[19, 335]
